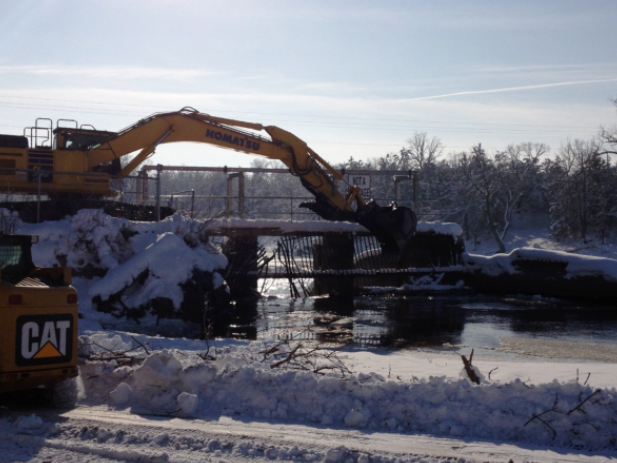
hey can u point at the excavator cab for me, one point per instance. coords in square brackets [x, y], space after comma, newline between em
[74, 139]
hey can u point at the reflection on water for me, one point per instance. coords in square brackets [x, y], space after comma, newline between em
[423, 322]
[433, 321]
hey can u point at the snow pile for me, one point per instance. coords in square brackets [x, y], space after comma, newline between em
[168, 262]
[121, 250]
[575, 265]
[238, 382]
[28, 423]
[91, 237]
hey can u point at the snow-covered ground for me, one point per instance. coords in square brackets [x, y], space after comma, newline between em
[183, 402]
[157, 399]
[541, 239]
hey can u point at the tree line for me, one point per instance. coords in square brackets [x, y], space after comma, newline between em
[572, 190]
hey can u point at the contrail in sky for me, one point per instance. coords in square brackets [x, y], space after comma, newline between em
[513, 89]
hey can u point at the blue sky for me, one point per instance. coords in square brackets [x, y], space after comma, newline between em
[352, 78]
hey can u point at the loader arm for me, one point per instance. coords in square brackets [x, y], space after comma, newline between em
[392, 226]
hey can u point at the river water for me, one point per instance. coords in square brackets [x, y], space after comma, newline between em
[430, 320]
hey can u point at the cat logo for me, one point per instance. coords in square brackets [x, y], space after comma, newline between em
[44, 339]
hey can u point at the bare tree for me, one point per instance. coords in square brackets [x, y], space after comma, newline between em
[516, 169]
[578, 169]
[420, 152]
[609, 136]
[482, 176]
[454, 199]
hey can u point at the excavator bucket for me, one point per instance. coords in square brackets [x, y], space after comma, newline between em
[392, 226]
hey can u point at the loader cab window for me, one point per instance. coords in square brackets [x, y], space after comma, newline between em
[10, 256]
[15, 257]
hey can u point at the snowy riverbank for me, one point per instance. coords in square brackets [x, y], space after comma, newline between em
[228, 404]
[534, 394]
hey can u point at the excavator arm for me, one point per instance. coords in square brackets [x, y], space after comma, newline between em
[392, 226]
[192, 126]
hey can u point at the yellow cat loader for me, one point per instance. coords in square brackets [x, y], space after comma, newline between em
[38, 320]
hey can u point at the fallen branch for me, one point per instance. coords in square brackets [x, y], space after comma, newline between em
[469, 368]
[108, 358]
[571, 251]
[104, 348]
[300, 358]
[314, 359]
[578, 407]
[592, 425]
[537, 417]
[206, 356]
[272, 350]
[122, 357]
[319, 370]
[287, 359]
[140, 345]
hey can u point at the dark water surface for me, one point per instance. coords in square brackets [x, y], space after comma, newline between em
[430, 321]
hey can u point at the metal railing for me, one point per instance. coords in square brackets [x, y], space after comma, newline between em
[182, 193]
[210, 209]
[251, 211]
[134, 189]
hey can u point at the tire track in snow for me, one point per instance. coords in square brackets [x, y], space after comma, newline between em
[401, 446]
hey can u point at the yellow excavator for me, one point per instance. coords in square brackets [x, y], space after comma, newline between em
[73, 159]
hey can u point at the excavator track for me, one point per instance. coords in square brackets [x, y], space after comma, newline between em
[61, 205]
